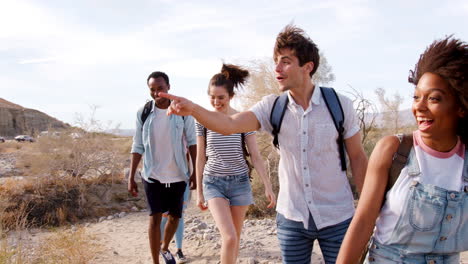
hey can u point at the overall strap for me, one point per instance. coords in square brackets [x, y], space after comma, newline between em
[336, 111]
[277, 114]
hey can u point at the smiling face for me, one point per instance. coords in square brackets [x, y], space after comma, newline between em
[157, 85]
[435, 107]
[288, 72]
[219, 98]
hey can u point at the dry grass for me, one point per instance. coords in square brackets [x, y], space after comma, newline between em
[12, 146]
[62, 246]
[66, 177]
[68, 247]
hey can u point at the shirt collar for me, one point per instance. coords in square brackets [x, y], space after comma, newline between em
[315, 99]
[316, 94]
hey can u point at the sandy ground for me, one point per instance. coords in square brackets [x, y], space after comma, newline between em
[126, 241]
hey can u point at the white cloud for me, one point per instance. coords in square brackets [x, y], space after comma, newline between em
[37, 61]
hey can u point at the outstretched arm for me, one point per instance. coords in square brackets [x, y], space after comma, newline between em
[259, 166]
[215, 121]
[369, 205]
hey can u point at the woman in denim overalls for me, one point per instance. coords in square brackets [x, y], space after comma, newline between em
[425, 216]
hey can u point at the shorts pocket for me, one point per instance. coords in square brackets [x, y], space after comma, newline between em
[209, 179]
[426, 211]
[243, 178]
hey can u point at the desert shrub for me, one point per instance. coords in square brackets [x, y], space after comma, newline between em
[37, 202]
[78, 154]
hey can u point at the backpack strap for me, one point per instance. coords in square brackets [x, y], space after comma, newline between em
[336, 110]
[146, 111]
[400, 159]
[246, 155]
[277, 114]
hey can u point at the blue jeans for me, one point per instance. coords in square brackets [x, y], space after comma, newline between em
[296, 242]
[236, 189]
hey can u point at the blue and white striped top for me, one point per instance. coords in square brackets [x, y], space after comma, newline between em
[224, 153]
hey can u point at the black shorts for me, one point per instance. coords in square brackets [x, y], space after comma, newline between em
[165, 197]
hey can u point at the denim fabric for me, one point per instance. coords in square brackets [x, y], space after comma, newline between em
[296, 242]
[180, 127]
[235, 189]
[381, 254]
[433, 225]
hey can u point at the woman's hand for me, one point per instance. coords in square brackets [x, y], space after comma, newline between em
[270, 195]
[201, 202]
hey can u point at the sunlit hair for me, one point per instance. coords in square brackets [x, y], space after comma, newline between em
[230, 77]
[448, 58]
[158, 74]
[304, 48]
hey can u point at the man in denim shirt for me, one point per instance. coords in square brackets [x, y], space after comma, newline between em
[160, 141]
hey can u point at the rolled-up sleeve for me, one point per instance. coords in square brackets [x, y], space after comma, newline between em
[351, 124]
[189, 130]
[262, 111]
[137, 146]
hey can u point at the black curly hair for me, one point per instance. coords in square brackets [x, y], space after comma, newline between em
[448, 58]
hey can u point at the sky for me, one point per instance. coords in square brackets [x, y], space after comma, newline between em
[66, 57]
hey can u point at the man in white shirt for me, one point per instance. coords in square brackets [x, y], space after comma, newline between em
[159, 141]
[315, 200]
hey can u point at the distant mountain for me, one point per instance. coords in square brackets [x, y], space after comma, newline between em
[405, 117]
[17, 120]
[121, 132]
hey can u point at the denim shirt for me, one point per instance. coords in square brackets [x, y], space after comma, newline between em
[180, 127]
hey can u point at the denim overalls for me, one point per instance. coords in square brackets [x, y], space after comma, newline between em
[433, 226]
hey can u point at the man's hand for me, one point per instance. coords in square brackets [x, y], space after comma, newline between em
[132, 187]
[193, 181]
[179, 105]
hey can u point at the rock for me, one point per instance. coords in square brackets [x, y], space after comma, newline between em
[116, 253]
[251, 261]
[16, 120]
[202, 226]
[110, 217]
[208, 236]
[102, 218]
[122, 214]
[134, 209]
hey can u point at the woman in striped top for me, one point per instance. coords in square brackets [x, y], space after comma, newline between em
[222, 168]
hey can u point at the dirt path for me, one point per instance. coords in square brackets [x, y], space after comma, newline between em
[126, 241]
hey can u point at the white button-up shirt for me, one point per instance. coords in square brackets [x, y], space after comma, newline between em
[310, 175]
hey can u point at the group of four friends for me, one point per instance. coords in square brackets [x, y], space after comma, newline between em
[422, 218]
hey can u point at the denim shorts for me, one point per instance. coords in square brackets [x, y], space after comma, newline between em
[235, 189]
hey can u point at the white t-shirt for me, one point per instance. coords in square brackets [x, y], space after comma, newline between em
[434, 171]
[165, 169]
[310, 175]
